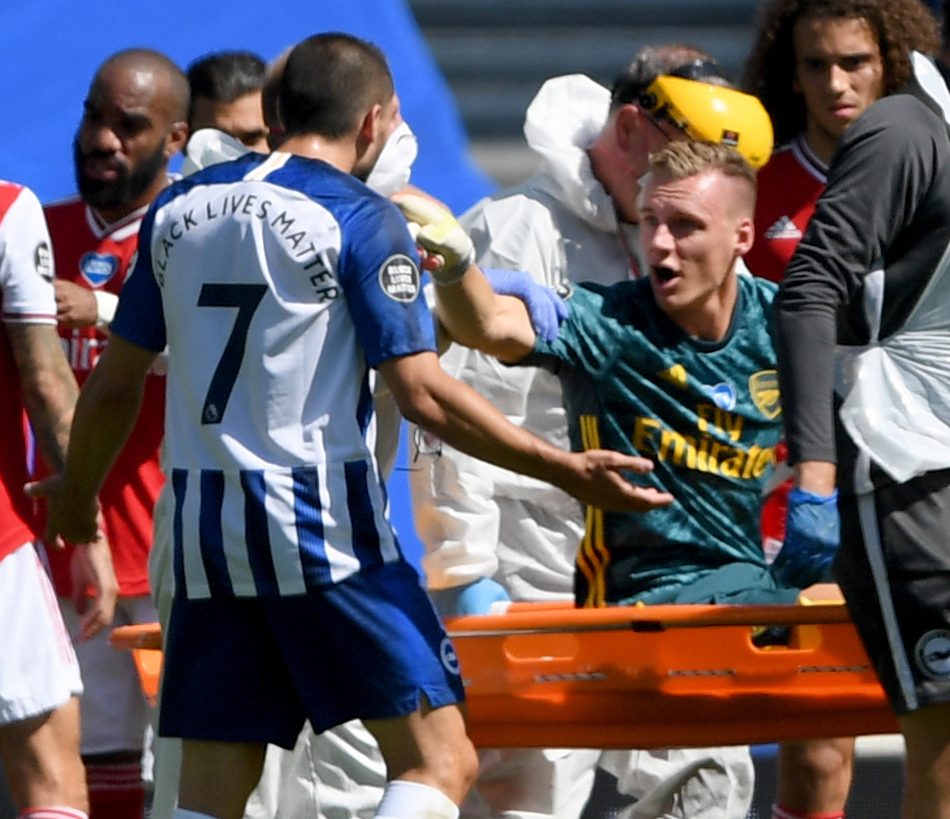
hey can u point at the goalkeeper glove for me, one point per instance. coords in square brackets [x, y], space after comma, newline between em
[440, 235]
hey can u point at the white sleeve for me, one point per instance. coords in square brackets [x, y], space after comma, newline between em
[455, 497]
[26, 263]
[454, 512]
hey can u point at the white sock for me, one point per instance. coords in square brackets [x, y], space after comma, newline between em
[410, 800]
[181, 813]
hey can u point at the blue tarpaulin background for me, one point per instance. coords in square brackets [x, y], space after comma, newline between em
[52, 48]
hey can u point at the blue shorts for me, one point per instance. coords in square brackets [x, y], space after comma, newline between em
[253, 669]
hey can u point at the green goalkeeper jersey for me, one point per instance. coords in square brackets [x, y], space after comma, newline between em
[707, 413]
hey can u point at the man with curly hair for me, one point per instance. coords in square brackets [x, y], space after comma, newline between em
[817, 65]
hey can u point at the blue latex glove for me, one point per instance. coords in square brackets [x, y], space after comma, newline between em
[472, 598]
[545, 307]
[812, 535]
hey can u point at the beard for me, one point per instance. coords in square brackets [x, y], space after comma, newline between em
[128, 186]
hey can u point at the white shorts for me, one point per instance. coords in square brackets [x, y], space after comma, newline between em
[115, 714]
[38, 667]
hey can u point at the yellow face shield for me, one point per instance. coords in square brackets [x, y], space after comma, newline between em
[712, 113]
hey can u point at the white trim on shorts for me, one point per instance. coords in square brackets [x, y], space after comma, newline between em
[874, 549]
[38, 667]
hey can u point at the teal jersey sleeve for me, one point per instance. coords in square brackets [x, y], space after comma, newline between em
[707, 414]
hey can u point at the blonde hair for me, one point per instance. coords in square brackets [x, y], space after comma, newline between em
[681, 159]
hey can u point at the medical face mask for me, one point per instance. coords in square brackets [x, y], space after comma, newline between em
[392, 169]
[209, 146]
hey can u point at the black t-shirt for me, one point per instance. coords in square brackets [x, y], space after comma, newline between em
[886, 207]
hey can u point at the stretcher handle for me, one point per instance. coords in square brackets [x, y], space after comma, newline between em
[140, 635]
[545, 618]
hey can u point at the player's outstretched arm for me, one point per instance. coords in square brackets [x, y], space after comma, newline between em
[467, 307]
[49, 392]
[464, 419]
[474, 315]
[105, 414]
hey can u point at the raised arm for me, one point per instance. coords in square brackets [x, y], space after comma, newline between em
[475, 316]
[466, 305]
[464, 419]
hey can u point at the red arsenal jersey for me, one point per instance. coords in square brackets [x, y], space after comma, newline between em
[26, 296]
[789, 187]
[98, 256]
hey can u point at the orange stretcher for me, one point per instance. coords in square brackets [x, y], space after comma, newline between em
[551, 675]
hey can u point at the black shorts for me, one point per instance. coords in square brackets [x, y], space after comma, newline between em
[894, 570]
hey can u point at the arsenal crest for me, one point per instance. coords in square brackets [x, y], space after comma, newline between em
[763, 387]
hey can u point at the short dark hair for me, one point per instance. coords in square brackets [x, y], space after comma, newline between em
[674, 60]
[329, 82]
[225, 76]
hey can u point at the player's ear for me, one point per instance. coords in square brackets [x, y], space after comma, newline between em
[371, 124]
[625, 125]
[176, 139]
[745, 235]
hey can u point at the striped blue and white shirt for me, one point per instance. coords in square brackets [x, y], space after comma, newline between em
[276, 283]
